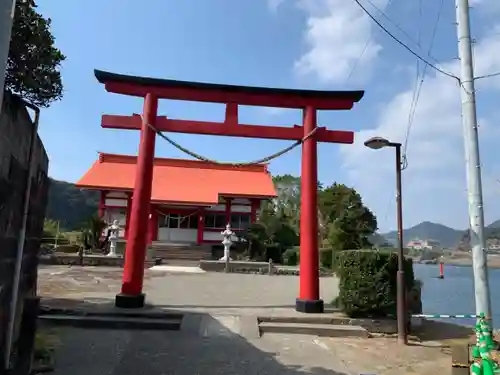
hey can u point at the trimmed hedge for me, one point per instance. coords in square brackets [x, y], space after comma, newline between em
[326, 258]
[368, 282]
[273, 252]
[291, 257]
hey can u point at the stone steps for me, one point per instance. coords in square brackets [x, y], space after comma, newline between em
[113, 312]
[111, 322]
[182, 252]
[167, 255]
[327, 330]
[111, 319]
[307, 319]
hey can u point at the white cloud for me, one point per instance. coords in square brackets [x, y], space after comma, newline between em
[336, 35]
[434, 183]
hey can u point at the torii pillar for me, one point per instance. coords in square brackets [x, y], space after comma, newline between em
[131, 295]
[309, 299]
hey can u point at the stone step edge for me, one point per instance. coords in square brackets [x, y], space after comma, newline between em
[384, 326]
[328, 330]
[109, 322]
[322, 319]
[47, 310]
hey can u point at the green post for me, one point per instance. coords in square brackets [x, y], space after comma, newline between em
[481, 352]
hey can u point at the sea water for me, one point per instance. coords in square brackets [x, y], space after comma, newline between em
[454, 294]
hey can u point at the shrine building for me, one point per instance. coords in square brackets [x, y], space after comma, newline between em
[191, 201]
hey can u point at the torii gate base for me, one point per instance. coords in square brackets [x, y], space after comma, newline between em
[151, 89]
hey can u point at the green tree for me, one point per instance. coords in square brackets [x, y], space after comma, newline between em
[91, 233]
[33, 64]
[71, 205]
[349, 223]
[50, 228]
[256, 237]
[287, 204]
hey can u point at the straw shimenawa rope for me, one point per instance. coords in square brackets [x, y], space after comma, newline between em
[259, 161]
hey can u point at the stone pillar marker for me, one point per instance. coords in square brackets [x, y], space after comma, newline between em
[227, 242]
[114, 230]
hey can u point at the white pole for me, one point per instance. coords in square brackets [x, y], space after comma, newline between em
[472, 160]
[7, 9]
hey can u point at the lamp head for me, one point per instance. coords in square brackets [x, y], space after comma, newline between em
[377, 143]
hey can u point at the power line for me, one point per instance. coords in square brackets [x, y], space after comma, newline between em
[488, 76]
[424, 60]
[418, 87]
[398, 25]
[356, 64]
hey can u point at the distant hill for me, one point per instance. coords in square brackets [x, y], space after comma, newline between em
[492, 233]
[447, 237]
[494, 225]
[69, 205]
[72, 206]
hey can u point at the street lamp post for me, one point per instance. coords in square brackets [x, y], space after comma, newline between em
[375, 144]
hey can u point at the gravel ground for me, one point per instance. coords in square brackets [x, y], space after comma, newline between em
[218, 292]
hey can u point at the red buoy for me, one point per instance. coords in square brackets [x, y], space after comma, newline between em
[441, 270]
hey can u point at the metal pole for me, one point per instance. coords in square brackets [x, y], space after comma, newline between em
[21, 239]
[401, 287]
[472, 161]
[57, 235]
[7, 9]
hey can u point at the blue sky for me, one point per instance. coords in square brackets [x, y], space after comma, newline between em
[317, 44]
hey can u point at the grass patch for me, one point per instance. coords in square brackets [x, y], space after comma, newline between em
[46, 342]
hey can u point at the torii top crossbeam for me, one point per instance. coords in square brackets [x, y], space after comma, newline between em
[216, 93]
[232, 96]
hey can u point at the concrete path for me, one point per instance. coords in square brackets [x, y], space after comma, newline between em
[103, 352]
[223, 352]
[218, 335]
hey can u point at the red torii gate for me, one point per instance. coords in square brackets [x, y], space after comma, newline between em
[152, 89]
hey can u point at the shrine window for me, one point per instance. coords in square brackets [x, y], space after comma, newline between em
[178, 221]
[218, 221]
[240, 221]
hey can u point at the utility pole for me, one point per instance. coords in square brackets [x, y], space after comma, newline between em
[472, 160]
[7, 8]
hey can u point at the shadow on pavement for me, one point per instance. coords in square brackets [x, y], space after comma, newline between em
[94, 302]
[209, 348]
[448, 333]
[91, 302]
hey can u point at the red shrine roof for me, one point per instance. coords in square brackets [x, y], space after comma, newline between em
[217, 93]
[181, 181]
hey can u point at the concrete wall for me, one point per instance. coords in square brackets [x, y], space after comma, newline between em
[15, 136]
